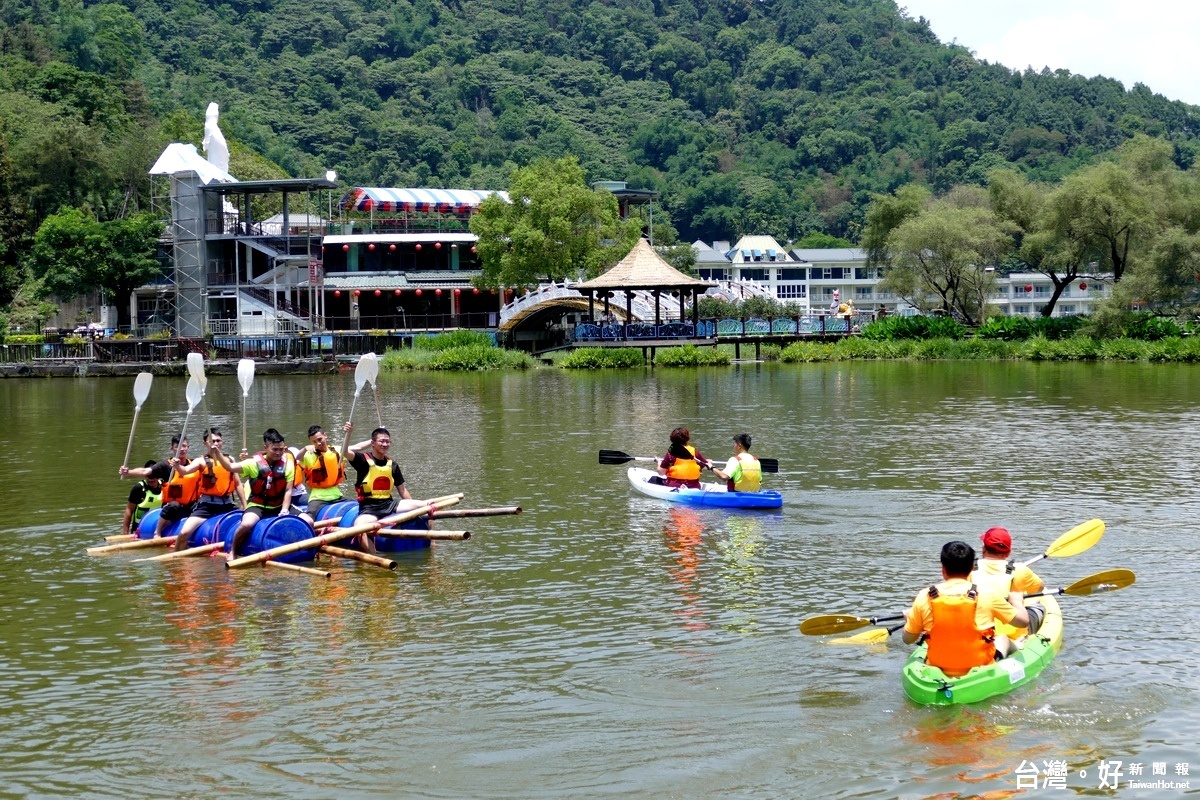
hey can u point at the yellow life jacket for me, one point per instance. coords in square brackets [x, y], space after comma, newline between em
[685, 469]
[955, 644]
[748, 476]
[996, 578]
[328, 472]
[377, 484]
[182, 489]
[151, 499]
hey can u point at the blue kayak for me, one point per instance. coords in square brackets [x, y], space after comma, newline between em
[709, 495]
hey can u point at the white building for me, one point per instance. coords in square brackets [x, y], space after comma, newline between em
[809, 277]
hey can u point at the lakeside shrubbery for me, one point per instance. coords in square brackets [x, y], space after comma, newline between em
[692, 356]
[463, 351]
[1037, 348]
[601, 358]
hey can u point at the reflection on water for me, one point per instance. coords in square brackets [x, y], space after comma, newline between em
[605, 643]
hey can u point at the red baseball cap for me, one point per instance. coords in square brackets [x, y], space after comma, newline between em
[998, 540]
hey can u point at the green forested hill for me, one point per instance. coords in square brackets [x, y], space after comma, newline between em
[779, 117]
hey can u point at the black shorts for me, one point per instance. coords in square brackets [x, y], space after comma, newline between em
[209, 510]
[175, 511]
[377, 508]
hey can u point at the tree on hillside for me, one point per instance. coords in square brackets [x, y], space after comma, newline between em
[73, 253]
[888, 212]
[555, 227]
[939, 257]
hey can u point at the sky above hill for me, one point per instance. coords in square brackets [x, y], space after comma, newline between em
[1155, 42]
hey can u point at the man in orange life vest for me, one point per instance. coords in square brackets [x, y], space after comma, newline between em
[958, 620]
[179, 491]
[218, 486]
[323, 470]
[271, 474]
[376, 475]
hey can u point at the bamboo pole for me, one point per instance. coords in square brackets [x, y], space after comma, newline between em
[138, 544]
[336, 535]
[477, 512]
[401, 533]
[121, 537]
[199, 550]
[316, 573]
[358, 555]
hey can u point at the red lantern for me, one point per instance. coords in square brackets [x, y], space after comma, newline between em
[378, 293]
[397, 293]
[1029, 287]
[438, 292]
[345, 248]
[357, 292]
[1083, 287]
[418, 292]
[371, 247]
[473, 250]
[391, 248]
[475, 290]
[418, 247]
[437, 245]
[457, 292]
[337, 292]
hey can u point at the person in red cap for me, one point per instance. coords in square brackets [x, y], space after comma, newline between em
[996, 574]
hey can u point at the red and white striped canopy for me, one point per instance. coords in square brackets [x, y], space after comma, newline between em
[446, 201]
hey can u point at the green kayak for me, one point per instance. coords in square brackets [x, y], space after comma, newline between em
[929, 685]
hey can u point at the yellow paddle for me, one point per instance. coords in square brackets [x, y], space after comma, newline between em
[1107, 581]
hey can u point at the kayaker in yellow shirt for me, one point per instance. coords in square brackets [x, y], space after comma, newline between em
[958, 620]
[742, 473]
[997, 574]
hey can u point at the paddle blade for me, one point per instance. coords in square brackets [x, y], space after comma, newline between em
[195, 365]
[361, 371]
[873, 636]
[141, 388]
[769, 464]
[614, 457]
[372, 368]
[1107, 581]
[1076, 540]
[246, 375]
[193, 393]
[832, 623]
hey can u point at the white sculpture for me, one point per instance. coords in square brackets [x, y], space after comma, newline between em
[215, 149]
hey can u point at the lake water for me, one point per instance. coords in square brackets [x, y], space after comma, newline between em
[603, 643]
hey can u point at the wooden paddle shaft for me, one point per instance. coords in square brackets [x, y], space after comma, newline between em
[316, 573]
[476, 512]
[401, 533]
[358, 555]
[134, 545]
[333, 536]
[199, 550]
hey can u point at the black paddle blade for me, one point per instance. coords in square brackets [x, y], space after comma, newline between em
[614, 457]
[769, 464]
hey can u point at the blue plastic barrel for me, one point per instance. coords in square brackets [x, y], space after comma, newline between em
[278, 531]
[145, 529]
[212, 530]
[343, 510]
[388, 544]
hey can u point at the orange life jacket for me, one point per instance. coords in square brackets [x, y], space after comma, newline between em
[955, 644]
[685, 469]
[215, 480]
[328, 472]
[182, 489]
